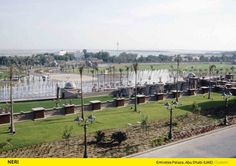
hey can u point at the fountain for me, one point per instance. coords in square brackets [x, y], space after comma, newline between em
[36, 87]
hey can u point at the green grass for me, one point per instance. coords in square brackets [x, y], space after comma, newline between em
[188, 66]
[27, 106]
[3, 74]
[183, 65]
[33, 132]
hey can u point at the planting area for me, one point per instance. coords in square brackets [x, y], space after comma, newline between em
[48, 133]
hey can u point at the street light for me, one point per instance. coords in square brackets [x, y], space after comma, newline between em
[169, 106]
[85, 122]
[226, 95]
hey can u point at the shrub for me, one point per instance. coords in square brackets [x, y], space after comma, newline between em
[158, 142]
[67, 132]
[144, 122]
[129, 149]
[7, 143]
[57, 103]
[196, 108]
[119, 136]
[100, 136]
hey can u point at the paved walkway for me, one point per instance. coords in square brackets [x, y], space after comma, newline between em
[217, 144]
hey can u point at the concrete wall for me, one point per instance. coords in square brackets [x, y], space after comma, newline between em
[87, 107]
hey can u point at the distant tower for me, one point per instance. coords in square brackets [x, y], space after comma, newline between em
[117, 47]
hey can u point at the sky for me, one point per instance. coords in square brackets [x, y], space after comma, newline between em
[135, 24]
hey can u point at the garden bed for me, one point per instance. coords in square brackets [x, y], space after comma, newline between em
[139, 138]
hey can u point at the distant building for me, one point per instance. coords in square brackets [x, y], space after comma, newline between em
[62, 53]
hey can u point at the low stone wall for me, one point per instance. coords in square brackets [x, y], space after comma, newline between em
[23, 116]
[102, 93]
[54, 111]
[87, 107]
[108, 104]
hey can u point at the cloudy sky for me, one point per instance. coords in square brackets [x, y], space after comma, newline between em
[135, 24]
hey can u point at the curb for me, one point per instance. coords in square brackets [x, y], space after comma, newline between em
[180, 141]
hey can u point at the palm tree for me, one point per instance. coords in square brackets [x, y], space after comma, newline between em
[127, 70]
[81, 89]
[217, 72]
[177, 77]
[97, 72]
[135, 66]
[12, 127]
[221, 71]
[110, 74]
[211, 69]
[120, 70]
[152, 68]
[200, 72]
[92, 71]
[232, 69]
[226, 70]
[104, 78]
[113, 73]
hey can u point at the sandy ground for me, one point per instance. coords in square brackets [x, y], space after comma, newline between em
[69, 77]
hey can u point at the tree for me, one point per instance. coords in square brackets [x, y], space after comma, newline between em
[110, 74]
[104, 76]
[85, 53]
[12, 127]
[120, 70]
[178, 58]
[92, 71]
[232, 69]
[81, 90]
[211, 69]
[152, 68]
[135, 66]
[97, 71]
[127, 72]
[113, 72]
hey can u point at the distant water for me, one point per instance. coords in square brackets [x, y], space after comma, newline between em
[111, 52]
[27, 52]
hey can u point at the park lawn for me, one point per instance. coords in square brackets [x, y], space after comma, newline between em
[188, 66]
[183, 65]
[3, 74]
[27, 106]
[34, 132]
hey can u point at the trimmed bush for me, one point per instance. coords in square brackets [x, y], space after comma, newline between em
[119, 137]
[196, 108]
[100, 136]
[158, 142]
